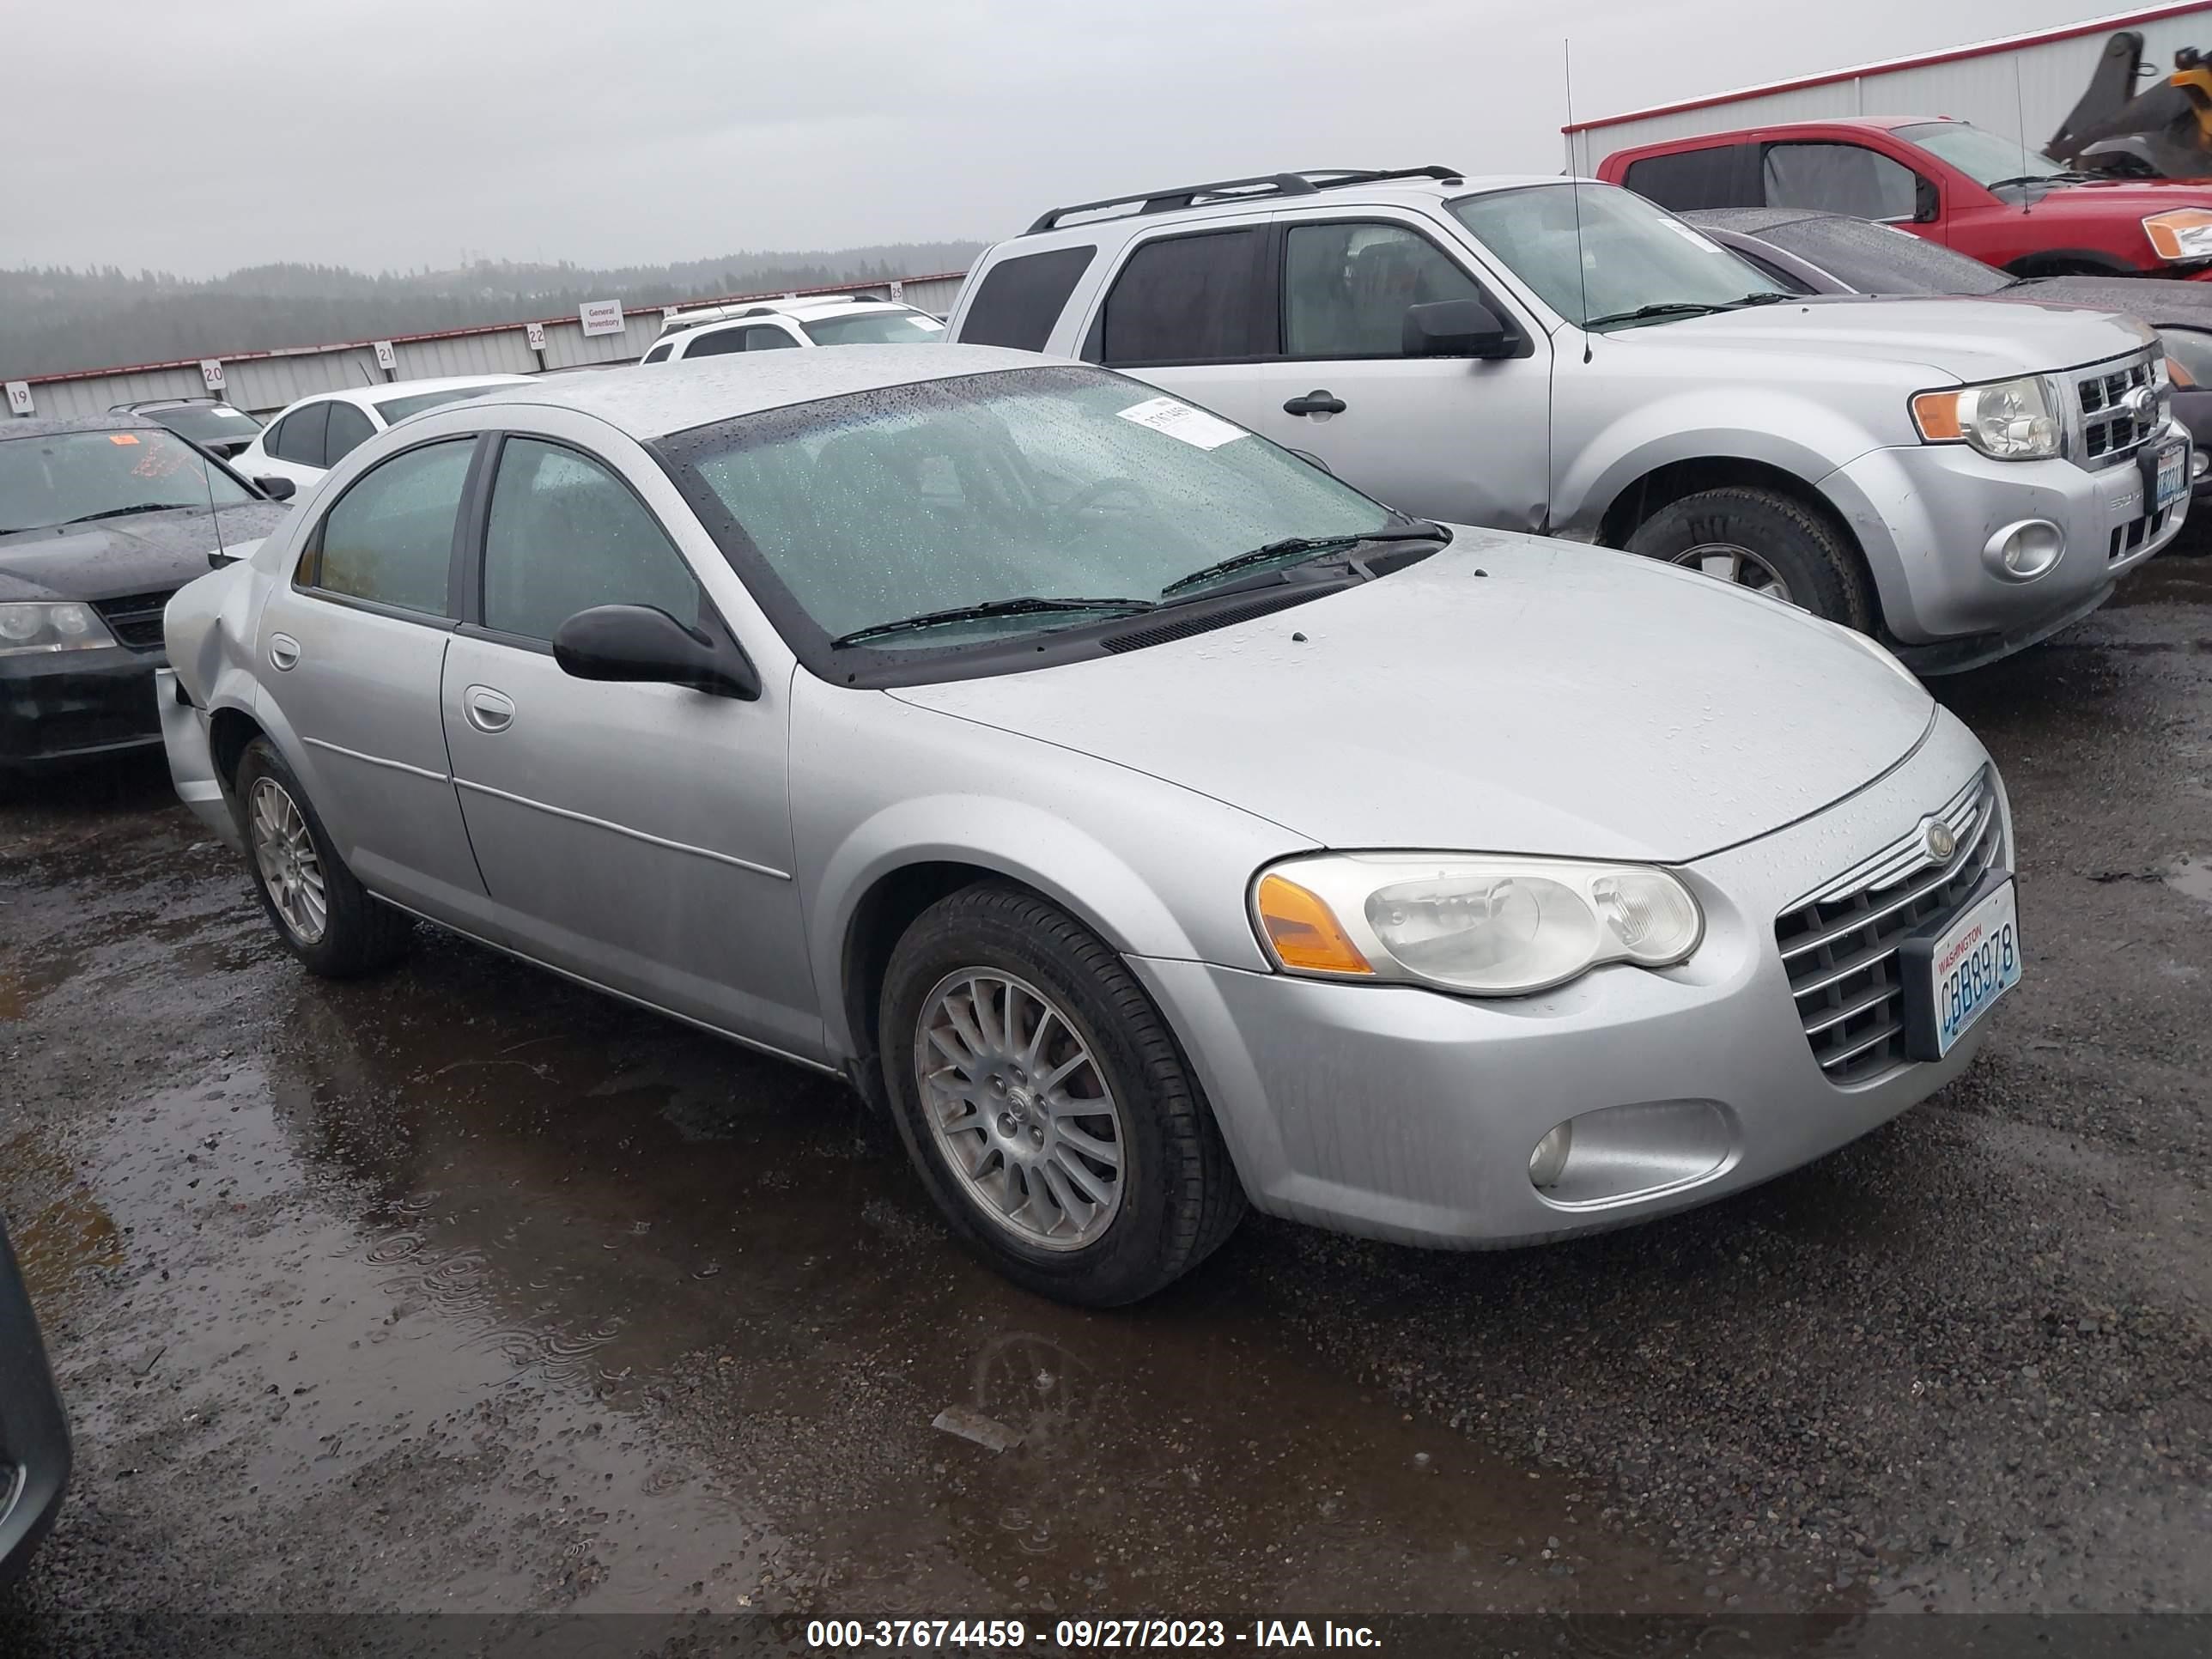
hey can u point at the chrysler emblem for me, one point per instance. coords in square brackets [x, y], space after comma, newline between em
[1941, 843]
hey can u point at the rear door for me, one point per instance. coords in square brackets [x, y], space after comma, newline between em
[354, 651]
[636, 835]
[1441, 437]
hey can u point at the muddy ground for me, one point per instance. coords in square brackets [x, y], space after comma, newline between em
[463, 1289]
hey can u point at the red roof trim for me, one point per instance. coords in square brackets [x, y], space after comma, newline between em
[1985, 49]
[462, 333]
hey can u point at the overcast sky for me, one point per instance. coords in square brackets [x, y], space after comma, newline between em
[197, 136]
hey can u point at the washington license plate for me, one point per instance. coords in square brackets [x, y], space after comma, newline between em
[1955, 974]
[2169, 475]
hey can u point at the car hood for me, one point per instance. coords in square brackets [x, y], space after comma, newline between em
[1510, 694]
[2159, 300]
[142, 554]
[1967, 338]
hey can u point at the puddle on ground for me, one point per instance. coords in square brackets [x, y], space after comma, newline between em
[2191, 877]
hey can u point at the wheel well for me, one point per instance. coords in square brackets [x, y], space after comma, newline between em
[885, 911]
[229, 730]
[1664, 486]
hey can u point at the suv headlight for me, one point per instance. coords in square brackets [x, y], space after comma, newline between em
[2007, 421]
[1484, 925]
[45, 627]
[2180, 234]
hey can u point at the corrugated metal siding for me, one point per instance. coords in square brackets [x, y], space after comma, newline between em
[266, 384]
[2051, 77]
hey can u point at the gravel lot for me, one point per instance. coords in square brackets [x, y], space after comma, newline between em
[463, 1289]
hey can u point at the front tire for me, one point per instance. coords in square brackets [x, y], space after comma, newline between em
[1765, 541]
[1046, 1106]
[324, 915]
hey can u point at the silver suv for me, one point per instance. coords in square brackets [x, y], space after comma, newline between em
[1960, 477]
[779, 324]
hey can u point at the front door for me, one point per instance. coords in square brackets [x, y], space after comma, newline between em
[1450, 438]
[354, 649]
[636, 835]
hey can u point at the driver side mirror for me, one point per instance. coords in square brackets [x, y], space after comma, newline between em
[635, 642]
[1457, 328]
[277, 489]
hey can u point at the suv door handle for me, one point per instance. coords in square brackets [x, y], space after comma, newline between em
[283, 652]
[1317, 402]
[486, 710]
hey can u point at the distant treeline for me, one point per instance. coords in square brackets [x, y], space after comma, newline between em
[54, 320]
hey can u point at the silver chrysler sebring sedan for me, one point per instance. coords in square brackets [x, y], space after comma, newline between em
[1152, 824]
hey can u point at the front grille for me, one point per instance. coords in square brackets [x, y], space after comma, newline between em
[135, 619]
[1839, 944]
[2129, 538]
[2110, 430]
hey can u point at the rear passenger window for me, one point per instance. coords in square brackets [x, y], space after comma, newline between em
[1347, 287]
[349, 430]
[658, 352]
[1193, 299]
[298, 437]
[767, 338]
[565, 535]
[390, 537]
[1724, 175]
[1839, 178]
[1022, 298]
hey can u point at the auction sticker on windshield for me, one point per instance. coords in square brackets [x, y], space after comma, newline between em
[1179, 420]
[1954, 972]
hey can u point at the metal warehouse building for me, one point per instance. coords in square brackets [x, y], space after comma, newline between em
[2022, 84]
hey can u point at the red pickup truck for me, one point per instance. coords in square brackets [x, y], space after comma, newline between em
[1951, 181]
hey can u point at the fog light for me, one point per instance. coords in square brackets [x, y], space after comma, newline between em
[2021, 552]
[1549, 1161]
[2199, 464]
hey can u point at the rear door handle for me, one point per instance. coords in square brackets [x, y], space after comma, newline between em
[283, 652]
[1317, 402]
[486, 710]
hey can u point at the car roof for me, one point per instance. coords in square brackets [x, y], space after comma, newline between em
[37, 426]
[1754, 220]
[385, 389]
[1735, 135]
[652, 403]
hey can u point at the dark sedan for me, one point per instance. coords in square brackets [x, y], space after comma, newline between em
[1809, 253]
[35, 1443]
[221, 428]
[101, 520]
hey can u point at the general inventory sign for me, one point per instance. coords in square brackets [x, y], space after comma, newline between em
[601, 316]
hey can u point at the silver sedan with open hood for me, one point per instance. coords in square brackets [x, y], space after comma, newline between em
[1150, 822]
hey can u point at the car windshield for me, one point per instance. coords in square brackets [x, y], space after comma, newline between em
[1638, 264]
[67, 477]
[1986, 157]
[208, 424]
[1051, 483]
[1883, 259]
[396, 410]
[877, 328]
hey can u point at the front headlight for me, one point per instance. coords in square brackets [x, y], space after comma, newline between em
[2181, 235]
[2009, 421]
[45, 627]
[1485, 925]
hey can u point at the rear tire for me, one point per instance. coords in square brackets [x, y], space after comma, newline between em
[1001, 993]
[1801, 551]
[324, 916]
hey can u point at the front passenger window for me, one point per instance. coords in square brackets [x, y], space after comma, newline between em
[1347, 287]
[349, 430]
[565, 535]
[390, 538]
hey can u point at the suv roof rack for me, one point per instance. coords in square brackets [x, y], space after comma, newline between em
[676, 321]
[1230, 190]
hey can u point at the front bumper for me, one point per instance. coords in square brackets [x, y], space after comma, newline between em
[1925, 513]
[34, 1442]
[1408, 1115]
[191, 760]
[76, 705]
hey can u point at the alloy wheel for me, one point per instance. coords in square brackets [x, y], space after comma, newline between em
[284, 851]
[1731, 563]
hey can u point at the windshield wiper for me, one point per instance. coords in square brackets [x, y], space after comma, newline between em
[1664, 308]
[1028, 605]
[2043, 178]
[1299, 546]
[124, 512]
[1767, 297]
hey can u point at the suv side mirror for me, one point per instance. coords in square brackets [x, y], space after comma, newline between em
[277, 489]
[639, 643]
[1457, 328]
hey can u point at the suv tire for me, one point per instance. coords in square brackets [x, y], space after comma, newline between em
[993, 1118]
[297, 873]
[1799, 546]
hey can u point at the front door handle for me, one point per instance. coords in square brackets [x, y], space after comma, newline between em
[283, 652]
[1317, 402]
[486, 710]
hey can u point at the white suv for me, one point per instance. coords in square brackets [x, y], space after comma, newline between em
[772, 324]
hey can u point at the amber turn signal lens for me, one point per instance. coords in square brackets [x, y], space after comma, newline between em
[1936, 415]
[1303, 932]
[2177, 373]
